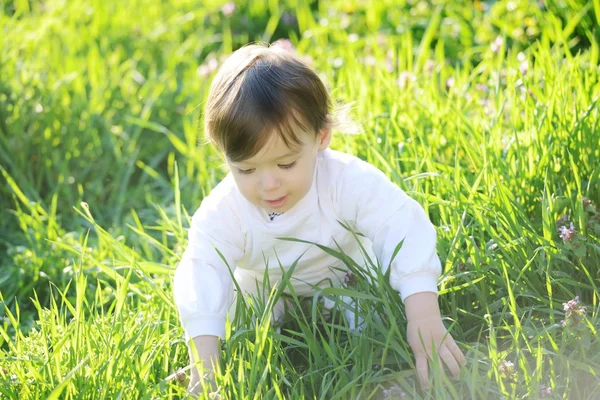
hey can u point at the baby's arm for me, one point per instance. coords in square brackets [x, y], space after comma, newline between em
[386, 215]
[203, 295]
[204, 354]
[426, 332]
[203, 285]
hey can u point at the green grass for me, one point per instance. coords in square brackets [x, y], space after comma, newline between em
[487, 113]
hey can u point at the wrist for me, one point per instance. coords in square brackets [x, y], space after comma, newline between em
[204, 354]
[423, 305]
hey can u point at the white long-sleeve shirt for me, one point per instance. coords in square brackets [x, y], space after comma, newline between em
[344, 188]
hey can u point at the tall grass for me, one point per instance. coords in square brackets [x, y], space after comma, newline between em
[486, 113]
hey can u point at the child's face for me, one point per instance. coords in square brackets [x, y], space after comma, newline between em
[277, 177]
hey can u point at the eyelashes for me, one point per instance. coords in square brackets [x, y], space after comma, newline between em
[287, 166]
[282, 166]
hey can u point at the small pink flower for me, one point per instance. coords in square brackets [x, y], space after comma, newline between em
[429, 65]
[450, 82]
[203, 71]
[213, 64]
[574, 312]
[208, 67]
[405, 79]
[497, 44]
[370, 61]
[545, 391]
[488, 107]
[567, 234]
[507, 368]
[350, 279]
[393, 392]
[284, 44]
[482, 87]
[391, 61]
[228, 9]
[524, 67]
[571, 304]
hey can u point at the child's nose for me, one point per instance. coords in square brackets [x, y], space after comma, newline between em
[269, 182]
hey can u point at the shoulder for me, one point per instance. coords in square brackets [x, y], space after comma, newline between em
[223, 202]
[218, 223]
[342, 166]
[352, 184]
[356, 184]
[337, 158]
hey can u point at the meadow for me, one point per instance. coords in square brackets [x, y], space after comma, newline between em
[486, 112]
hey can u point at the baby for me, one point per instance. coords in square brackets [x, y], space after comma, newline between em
[271, 117]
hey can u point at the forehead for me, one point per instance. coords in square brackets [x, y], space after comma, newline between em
[275, 148]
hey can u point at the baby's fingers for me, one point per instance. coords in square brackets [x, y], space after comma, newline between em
[422, 370]
[455, 350]
[450, 361]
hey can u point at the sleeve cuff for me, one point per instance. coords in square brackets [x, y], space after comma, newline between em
[416, 283]
[212, 326]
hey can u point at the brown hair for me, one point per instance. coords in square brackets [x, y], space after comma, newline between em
[260, 90]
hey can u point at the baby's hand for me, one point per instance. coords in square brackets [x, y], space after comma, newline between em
[422, 335]
[206, 349]
[425, 331]
[196, 386]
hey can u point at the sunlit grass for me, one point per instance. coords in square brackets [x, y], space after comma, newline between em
[487, 114]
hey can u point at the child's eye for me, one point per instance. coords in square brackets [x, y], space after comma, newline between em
[287, 166]
[245, 171]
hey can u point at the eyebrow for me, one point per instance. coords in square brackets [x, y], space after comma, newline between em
[288, 154]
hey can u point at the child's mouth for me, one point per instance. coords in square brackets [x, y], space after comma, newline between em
[278, 203]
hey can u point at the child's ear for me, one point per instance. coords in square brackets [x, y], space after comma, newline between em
[324, 138]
